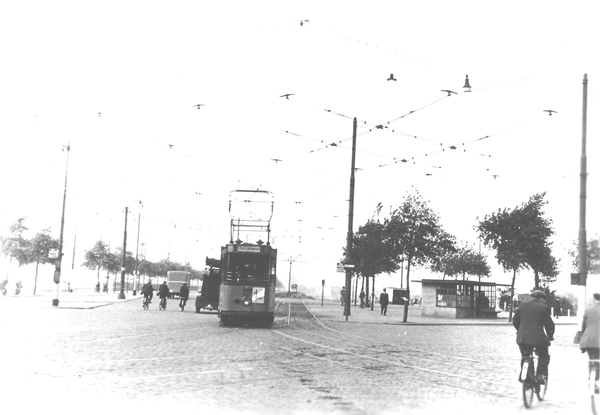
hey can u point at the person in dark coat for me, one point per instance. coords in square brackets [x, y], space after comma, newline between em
[590, 329]
[184, 292]
[535, 330]
[384, 300]
[362, 298]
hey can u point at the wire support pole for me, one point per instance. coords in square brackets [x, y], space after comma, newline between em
[582, 242]
[350, 225]
[121, 295]
[58, 264]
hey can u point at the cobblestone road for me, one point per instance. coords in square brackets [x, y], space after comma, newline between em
[120, 357]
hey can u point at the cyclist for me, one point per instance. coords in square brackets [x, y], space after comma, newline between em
[148, 292]
[185, 294]
[163, 293]
[531, 319]
[590, 337]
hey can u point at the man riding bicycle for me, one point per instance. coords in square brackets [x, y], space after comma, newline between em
[163, 293]
[590, 337]
[531, 319]
[148, 292]
[184, 292]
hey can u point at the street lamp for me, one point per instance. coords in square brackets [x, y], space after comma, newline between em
[57, 264]
[121, 295]
[137, 247]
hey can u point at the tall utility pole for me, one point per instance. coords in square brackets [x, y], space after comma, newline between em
[137, 247]
[350, 232]
[121, 295]
[58, 263]
[582, 243]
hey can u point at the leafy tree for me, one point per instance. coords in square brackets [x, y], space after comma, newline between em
[39, 248]
[536, 233]
[464, 261]
[371, 251]
[96, 258]
[520, 239]
[593, 256]
[15, 246]
[415, 234]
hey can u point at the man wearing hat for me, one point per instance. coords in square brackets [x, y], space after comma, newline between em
[535, 330]
[590, 338]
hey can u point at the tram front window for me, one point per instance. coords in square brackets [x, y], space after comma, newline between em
[249, 268]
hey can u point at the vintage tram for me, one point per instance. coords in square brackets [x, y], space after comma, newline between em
[248, 270]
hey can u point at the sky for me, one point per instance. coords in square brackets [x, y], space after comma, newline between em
[119, 82]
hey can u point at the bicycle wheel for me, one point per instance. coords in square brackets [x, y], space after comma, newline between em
[540, 390]
[528, 384]
[593, 388]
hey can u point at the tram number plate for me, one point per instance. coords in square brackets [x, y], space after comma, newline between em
[258, 295]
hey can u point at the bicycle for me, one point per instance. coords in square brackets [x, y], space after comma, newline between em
[593, 387]
[530, 381]
[146, 304]
[163, 303]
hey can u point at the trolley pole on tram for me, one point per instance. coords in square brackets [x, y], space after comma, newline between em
[348, 266]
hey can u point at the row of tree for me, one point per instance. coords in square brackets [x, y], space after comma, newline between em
[36, 250]
[100, 258]
[412, 233]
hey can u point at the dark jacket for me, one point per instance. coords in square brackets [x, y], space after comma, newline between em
[590, 339]
[384, 299]
[184, 292]
[163, 291]
[147, 289]
[531, 319]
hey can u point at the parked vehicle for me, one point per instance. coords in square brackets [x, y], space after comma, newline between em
[175, 280]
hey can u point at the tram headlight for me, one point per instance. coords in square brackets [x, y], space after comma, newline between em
[247, 301]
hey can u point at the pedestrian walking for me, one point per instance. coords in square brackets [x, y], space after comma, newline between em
[384, 299]
[343, 295]
[362, 298]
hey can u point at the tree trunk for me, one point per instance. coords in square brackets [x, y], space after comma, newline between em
[512, 295]
[405, 318]
[367, 292]
[536, 279]
[36, 275]
[355, 287]
[373, 294]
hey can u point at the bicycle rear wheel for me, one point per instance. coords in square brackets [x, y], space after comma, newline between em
[528, 384]
[540, 390]
[593, 388]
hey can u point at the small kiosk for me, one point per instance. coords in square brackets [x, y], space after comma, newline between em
[458, 298]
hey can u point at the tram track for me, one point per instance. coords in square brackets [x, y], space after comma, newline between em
[329, 344]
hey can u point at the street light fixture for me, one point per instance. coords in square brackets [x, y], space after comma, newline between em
[137, 247]
[121, 295]
[57, 264]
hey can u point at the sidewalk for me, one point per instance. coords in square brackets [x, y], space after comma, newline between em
[395, 313]
[78, 299]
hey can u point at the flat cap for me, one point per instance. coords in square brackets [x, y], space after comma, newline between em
[537, 294]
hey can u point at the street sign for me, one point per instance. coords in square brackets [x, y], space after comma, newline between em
[340, 267]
